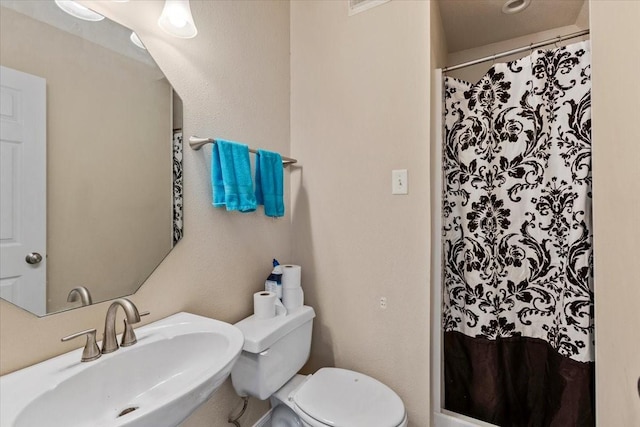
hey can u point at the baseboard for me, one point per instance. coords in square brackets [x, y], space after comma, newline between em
[264, 421]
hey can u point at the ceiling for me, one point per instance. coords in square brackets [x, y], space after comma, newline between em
[472, 23]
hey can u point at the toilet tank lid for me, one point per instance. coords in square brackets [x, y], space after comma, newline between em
[260, 334]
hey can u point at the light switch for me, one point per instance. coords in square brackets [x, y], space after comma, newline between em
[399, 183]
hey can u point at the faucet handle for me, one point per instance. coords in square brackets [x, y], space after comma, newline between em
[129, 336]
[91, 350]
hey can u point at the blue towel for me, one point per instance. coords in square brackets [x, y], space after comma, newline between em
[231, 177]
[269, 183]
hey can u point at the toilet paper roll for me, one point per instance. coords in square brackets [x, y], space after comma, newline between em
[291, 276]
[266, 305]
[292, 298]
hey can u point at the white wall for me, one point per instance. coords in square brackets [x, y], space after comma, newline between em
[360, 108]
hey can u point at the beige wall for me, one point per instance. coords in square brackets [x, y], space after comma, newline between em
[360, 108]
[616, 178]
[234, 82]
[107, 115]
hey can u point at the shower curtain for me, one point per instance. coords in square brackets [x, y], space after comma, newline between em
[517, 242]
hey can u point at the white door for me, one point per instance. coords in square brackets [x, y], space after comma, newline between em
[23, 189]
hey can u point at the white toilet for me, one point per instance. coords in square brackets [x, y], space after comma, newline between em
[275, 350]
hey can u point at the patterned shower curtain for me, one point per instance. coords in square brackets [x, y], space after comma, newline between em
[518, 262]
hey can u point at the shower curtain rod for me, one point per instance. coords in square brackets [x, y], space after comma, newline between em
[518, 50]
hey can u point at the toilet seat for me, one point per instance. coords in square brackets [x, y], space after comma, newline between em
[340, 397]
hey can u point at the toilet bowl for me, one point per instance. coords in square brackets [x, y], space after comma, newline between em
[283, 416]
[275, 349]
[336, 397]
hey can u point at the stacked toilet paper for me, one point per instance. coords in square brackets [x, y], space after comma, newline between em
[266, 305]
[292, 294]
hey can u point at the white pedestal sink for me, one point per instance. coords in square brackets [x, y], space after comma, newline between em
[176, 365]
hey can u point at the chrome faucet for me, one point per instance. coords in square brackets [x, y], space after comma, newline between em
[109, 342]
[83, 293]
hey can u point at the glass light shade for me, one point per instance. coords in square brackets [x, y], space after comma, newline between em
[136, 40]
[78, 11]
[176, 19]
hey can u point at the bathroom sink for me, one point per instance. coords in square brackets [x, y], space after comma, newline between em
[176, 365]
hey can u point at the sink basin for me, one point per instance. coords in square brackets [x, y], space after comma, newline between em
[176, 365]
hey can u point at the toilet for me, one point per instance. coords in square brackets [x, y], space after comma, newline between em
[274, 351]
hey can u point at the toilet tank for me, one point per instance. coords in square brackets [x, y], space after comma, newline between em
[274, 351]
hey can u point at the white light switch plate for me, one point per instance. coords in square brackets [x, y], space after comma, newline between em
[399, 182]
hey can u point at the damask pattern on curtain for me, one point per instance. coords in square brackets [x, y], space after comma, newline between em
[518, 261]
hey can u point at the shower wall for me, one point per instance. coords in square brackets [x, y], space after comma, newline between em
[442, 57]
[473, 73]
[616, 103]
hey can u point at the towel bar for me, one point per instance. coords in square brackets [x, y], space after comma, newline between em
[196, 143]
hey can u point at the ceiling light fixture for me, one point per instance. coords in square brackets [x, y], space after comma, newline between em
[176, 19]
[515, 6]
[78, 11]
[136, 40]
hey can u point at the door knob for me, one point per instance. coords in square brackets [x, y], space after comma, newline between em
[33, 258]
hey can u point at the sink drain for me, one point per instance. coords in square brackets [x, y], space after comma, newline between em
[127, 410]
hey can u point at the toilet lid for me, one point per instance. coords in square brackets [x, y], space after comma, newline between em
[339, 397]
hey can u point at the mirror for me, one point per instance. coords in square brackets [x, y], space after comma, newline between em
[91, 160]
